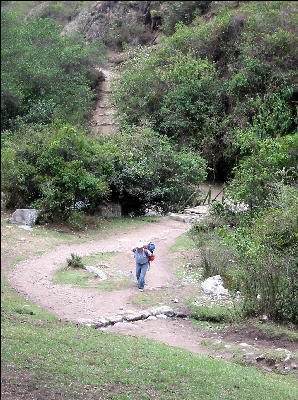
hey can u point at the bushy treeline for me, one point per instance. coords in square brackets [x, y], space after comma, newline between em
[45, 75]
[210, 83]
[59, 169]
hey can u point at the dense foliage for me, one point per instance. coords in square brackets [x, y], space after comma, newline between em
[258, 255]
[58, 169]
[151, 171]
[212, 82]
[44, 75]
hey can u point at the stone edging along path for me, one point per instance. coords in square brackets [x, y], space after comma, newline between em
[131, 316]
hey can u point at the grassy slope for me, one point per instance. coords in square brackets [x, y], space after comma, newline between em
[43, 357]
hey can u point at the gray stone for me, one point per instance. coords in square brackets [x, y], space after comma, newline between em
[25, 227]
[151, 318]
[197, 210]
[214, 285]
[115, 318]
[133, 317]
[110, 210]
[123, 324]
[261, 357]
[264, 318]
[163, 310]
[248, 356]
[101, 323]
[97, 271]
[25, 216]
[161, 316]
[129, 275]
[145, 314]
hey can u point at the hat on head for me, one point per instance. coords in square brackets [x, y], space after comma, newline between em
[140, 245]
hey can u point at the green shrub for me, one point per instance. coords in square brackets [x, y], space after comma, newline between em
[270, 161]
[151, 171]
[75, 261]
[258, 256]
[77, 220]
[44, 74]
[54, 168]
[215, 314]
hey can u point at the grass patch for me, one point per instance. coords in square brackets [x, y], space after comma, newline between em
[73, 277]
[215, 313]
[84, 363]
[183, 242]
[97, 259]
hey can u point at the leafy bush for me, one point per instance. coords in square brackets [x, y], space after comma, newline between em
[77, 220]
[151, 171]
[258, 256]
[44, 75]
[270, 161]
[74, 261]
[54, 168]
[182, 11]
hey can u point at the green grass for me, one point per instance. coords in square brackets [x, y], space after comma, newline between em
[79, 361]
[96, 259]
[73, 277]
[183, 242]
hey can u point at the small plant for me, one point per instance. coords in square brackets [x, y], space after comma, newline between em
[75, 261]
[77, 220]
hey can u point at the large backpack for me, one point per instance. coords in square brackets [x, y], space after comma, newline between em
[151, 247]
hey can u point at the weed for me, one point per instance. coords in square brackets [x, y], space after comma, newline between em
[75, 261]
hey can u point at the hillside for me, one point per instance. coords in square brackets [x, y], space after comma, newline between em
[115, 117]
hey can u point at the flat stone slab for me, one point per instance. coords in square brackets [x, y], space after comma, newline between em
[97, 271]
[186, 217]
[197, 210]
[25, 227]
[163, 310]
[129, 275]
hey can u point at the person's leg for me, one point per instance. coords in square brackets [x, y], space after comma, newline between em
[141, 280]
[138, 270]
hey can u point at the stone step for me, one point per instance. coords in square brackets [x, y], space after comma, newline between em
[188, 218]
[131, 316]
[197, 210]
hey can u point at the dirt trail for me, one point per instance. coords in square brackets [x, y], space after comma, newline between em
[33, 280]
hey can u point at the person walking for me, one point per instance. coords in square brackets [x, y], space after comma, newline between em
[142, 263]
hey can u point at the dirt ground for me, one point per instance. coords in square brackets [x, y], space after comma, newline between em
[33, 279]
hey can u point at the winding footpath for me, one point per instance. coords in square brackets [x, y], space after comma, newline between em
[33, 279]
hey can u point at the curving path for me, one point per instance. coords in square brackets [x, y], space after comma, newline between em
[33, 278]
